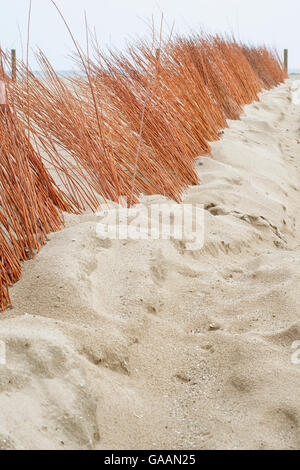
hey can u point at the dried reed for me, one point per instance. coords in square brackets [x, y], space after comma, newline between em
[133, 124]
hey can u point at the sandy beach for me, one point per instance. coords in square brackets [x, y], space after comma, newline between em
[122, 344]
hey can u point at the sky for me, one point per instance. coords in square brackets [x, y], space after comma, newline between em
[272, 22]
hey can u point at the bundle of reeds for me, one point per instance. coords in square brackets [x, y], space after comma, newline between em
[133, 124]
[30, 202]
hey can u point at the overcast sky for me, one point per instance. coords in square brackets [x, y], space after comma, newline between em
[274, 22]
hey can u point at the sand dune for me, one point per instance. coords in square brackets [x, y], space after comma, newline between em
[146, 344]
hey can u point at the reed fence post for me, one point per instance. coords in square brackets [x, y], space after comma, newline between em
[13, 64]
[286, 61]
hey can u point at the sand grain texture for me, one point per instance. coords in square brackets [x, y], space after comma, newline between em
[145, 344]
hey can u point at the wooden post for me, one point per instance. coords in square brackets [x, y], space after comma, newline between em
[13, 64]
[286, 62]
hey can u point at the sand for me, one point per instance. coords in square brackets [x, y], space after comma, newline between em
[147, 344]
